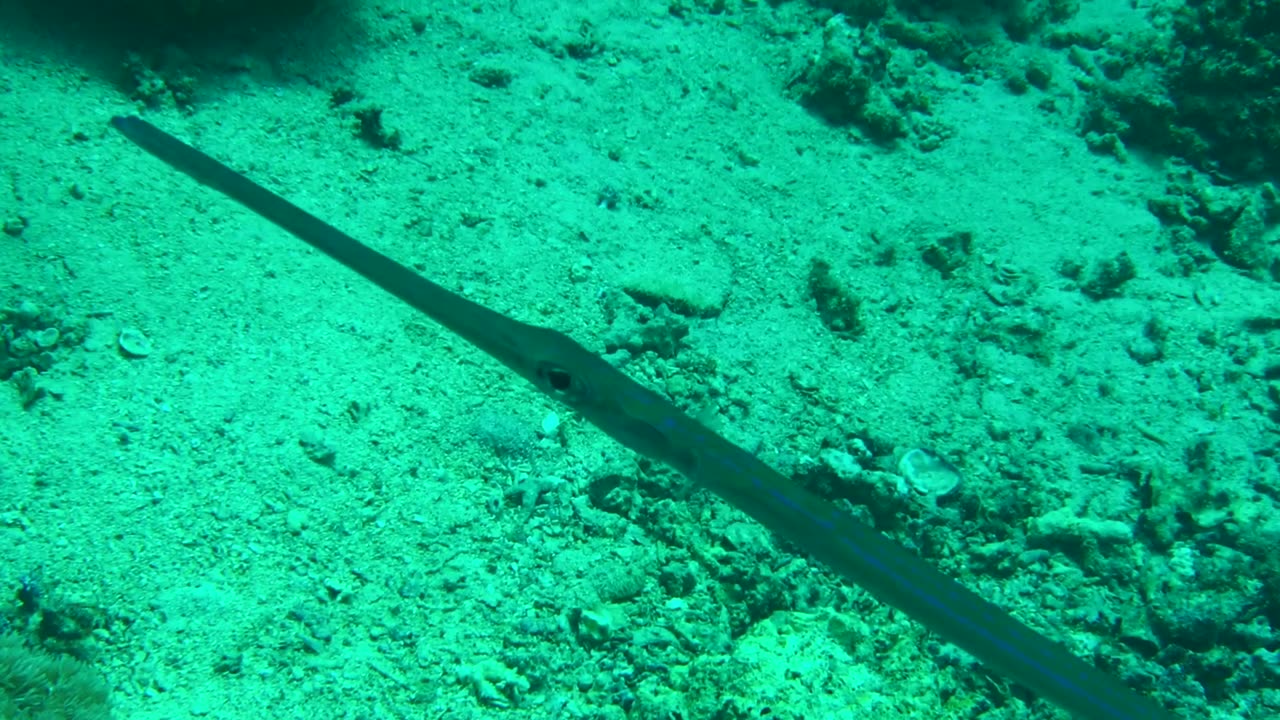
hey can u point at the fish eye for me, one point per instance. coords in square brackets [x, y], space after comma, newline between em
[556, 377]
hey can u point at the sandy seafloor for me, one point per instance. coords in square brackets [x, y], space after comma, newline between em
[309, 501]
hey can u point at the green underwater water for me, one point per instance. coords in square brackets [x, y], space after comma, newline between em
[998, 280]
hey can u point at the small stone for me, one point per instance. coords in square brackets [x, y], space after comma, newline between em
[27, 312]
[296, 520]
[317, 448]
[200, 706]
[15, 226]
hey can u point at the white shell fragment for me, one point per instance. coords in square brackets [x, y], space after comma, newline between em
[133, 343]
[927, 473]
[47, 338]
[550, 425]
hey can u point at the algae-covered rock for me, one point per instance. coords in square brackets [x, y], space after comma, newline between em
[36, 685]
[1203, 90]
